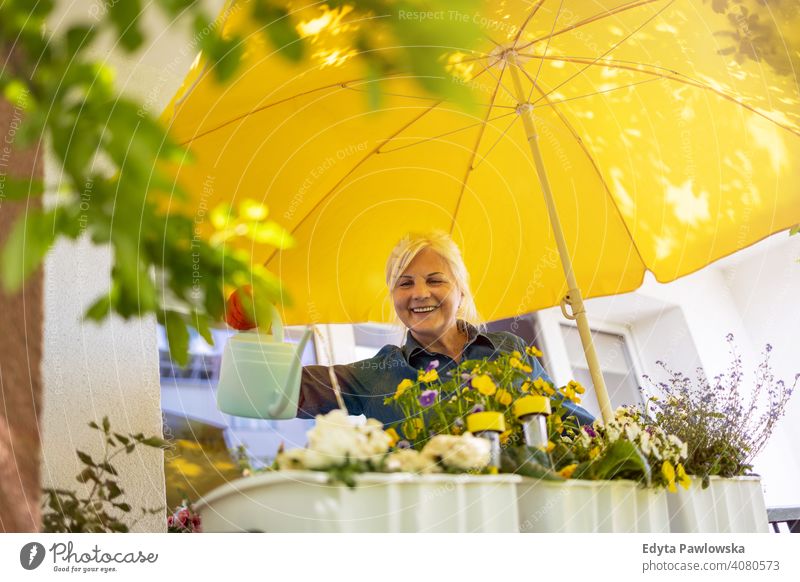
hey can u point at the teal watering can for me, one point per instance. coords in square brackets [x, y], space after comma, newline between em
[260, 374]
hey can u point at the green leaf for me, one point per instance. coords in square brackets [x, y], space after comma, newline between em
[201, 324]
[125, 16]
[113, 489]
[794, 230]
[99, 310]
[280, 30]
[177, 337]
[123, 439]
[622, 459]
[85, 458]
[86, 475]
[78, 38]
[20, 189]
[106, 425]
[155, 442]
[31, 238]
[270, 233]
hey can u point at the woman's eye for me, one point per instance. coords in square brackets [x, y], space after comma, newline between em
[405, 284]
[435, 282]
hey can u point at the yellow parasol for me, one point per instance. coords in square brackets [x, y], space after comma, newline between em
[606, 139]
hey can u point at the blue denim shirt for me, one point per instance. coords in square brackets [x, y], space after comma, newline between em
[366, 383]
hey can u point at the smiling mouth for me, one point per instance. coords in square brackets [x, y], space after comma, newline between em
[426, 309]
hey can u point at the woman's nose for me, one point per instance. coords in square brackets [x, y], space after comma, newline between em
[421, 291]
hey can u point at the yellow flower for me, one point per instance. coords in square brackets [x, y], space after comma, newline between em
[567, 471]
[594, 453]
[503, 397]
[668, 471]
[516, 354]
[412, 427]
[576, 386]
[484, 384]
[550, 446]
[533, 351]
[515, 363]
[402, 387]
[526, 387]
[504, 436]
[429, 376]
[393, 436]
[543, 386]
[571, 391]
[683, 478]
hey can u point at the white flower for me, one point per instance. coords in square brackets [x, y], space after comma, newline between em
[585, 439]
[335, 438]
[682, 450]
[613, 431]
[464, 452]
[292, 459]
[632, 431]
[410, 461]
[644, 443]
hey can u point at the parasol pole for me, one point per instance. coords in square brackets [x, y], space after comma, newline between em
[573, 297]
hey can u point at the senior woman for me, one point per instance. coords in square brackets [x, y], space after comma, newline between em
[429, 286]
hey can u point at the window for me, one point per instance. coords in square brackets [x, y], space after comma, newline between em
[615, 362]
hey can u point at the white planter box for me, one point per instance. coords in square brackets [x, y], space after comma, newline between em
[578, 506]
[733, 505]
[303, 501]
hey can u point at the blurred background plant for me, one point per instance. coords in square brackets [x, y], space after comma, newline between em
[725, 422]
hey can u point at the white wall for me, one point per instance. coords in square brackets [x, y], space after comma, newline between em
[93, 371]
[765, 288]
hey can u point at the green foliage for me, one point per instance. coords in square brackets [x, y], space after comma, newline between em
[103, 508]
[67, 97]
[620, 460]
[528, 462]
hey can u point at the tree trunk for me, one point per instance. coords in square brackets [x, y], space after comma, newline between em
[21, 324]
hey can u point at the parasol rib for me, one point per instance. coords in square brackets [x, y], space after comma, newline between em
[471, 160]
[592, 19]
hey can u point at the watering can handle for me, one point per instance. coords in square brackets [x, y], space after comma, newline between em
[286, 399]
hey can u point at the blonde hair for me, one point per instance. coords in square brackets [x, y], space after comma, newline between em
[412, 244]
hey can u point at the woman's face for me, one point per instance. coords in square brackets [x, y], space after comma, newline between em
[426, 297]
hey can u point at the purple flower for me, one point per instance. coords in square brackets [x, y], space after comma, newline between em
[587, 428]
[403, 445]
[432, 366]
[477, 408]
[428, 397]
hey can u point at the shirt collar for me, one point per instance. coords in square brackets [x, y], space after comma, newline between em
[412, 347]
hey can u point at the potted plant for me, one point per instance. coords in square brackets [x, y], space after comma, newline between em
[359, 478]
[725, 429]
[615, 478]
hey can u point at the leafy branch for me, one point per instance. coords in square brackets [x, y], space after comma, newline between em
[99, 510]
